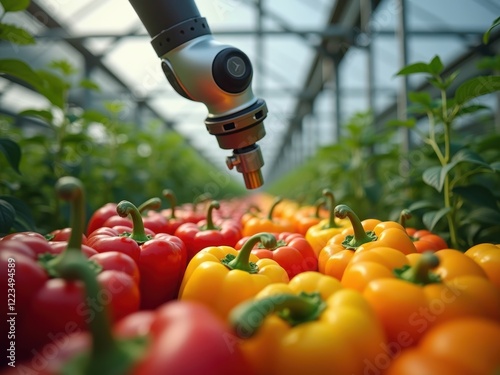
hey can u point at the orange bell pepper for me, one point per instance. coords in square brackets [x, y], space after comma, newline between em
[259, 224]
[221, 277]
[308, 216]
[310, 326]
[319, 234]
[362, 235]
[415, 298]
[465, 346]
[487, 255]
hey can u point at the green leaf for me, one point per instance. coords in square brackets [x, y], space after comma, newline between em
[436, 66]
[89, 85]
[435, 176]
[431, 177]
[476, 87]
[473, 108]
[12, 153]
[39, 113]
[23, 218]
[95, 116]
[431, 218]
[16, 35]
[63, 66]
[486, 215]
[54, 88]
[14, 5]
[410, 123]
[477, 195]
[486, 35]
[7, 217]
[419, 67]
[419, 205]
[114, 107]
[23, 71]
[495, 166]
[423, 98]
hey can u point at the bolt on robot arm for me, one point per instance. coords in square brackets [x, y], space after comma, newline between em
[201, 69]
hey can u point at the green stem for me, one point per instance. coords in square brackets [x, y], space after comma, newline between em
[277, 201]
[248, 317]
[125, 208]
[107, 356]
[331, 208]
[170, 196]
[210, 221]
[151, 204]
[403, 216]
[421, 273]
[360, 237]
[319, 203]
[200, 198]
[242, 260]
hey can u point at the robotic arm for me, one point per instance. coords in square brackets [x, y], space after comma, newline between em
[201, 69]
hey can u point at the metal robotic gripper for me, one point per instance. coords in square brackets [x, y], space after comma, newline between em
[203, 70]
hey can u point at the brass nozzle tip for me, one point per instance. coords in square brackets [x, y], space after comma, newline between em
[254, 179]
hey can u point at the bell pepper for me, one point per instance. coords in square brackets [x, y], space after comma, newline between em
[205, 233]
[47, 305]
[415, 299]
[466, 346]
[268, 223]
[99, 216]
[181, 338]
[423, 239]
[487, 255]
[310, 326]
[175, 216]
[161, 257]
[292, 252]
[221, 276]
[318, 235]
[369, 234]
[308, 216]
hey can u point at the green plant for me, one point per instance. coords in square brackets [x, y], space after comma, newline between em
[361, 169]
[468, 199]
[114, 159]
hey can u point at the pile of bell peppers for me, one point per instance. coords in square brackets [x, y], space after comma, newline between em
[254, 286]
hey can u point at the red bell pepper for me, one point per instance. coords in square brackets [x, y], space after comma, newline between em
[174, 216]
[292, 252]
[45, 305]
[100, 216]
[161, 257]
[181, 338]
[205, 233]
[423, 239]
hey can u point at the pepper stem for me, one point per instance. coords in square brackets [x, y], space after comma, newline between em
[151, 204]
[170, 196]
[403, 216]
[210, 221]
[125, 208]
[107, 356]
[421, 273]
[200, 198]
[352, 242]
[319, 203]
[242, 260]
[331, 208]
[277, 201]
[248, 317]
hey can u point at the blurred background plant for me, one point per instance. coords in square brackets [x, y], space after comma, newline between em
[114, 159]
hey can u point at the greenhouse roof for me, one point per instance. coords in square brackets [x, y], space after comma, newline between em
[289, 43]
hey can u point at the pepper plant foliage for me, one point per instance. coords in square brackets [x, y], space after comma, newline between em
[463, 173]
[114, 159]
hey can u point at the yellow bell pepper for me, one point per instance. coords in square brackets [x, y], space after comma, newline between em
[319, 234]
[310, 326]
[221, 277]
